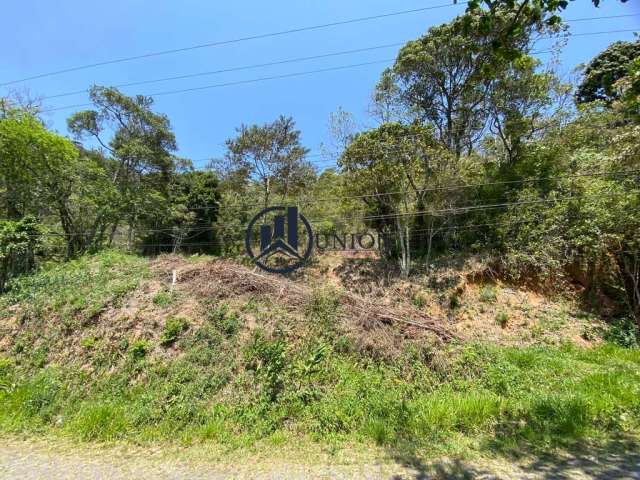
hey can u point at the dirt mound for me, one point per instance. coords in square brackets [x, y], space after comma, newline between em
[222, 279]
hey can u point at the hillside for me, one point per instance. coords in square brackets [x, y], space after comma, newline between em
[108, 347]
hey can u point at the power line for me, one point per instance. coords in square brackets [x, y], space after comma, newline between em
[286, 61]
[463, 209]
[457, 210]
[240, 82]
[449, 188]
[236, 40]
[604, 17]
[235, 69]
[283, 76]
[585, 34]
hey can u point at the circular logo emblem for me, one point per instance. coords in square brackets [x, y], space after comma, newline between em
[279, 249]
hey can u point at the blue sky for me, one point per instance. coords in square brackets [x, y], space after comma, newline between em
[40, 36]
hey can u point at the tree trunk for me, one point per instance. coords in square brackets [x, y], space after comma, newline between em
[403, 238]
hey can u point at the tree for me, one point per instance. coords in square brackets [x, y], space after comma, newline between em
[390, 167]
[522, 14]
[523, 103]
[19, 241]
[446, 77]
[193, 205]
[604, 70]
[140, 150]
[43, 173]
[270, 155]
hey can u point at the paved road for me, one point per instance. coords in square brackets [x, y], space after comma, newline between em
[37, 461]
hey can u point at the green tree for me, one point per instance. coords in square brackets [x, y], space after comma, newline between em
[521, 15]
[390, 168]
[19, 241]
[42, 173]
[604, 70]
[522, 104]
[446, 77]
[140, 150]
[187, 222]
[270, 155]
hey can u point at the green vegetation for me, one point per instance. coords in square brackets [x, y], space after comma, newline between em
[81, 288]
[502, 319]
[488, 294]
[298, 376]
[481, 168]
[172, 330]
[537, 396]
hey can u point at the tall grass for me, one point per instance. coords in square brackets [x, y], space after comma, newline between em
[232, 388]
[538, 395]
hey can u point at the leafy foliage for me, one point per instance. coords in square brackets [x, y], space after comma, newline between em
[604, 70]
[19, 242]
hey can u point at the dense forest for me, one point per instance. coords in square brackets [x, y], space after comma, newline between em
[475, 150]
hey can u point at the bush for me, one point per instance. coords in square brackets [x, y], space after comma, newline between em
[163, 299]
[625, 333]
[139, 349]
[488, 294]
[323, 311]
[172, 330]
[502, 319]
[227, 322]
[18, 244]
[267, 358]
[6, 374]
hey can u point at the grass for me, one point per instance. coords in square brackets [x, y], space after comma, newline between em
[537, 396]
[488, 294]
[298, 378]
[502, 319]
[80, 288]
[172, 330]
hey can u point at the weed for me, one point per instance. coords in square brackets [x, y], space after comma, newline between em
[455, 301]
[624, 332]
[83, 286]
[420, 300]
[6, 374]
[227, 322]
[38, 357]
[105, 421]
[172, 330]
[123, 345]
[267, 358]
[163, 299]
[488, 294]
[502, 319]
[89, 343]
[139, 349]
[323, 311]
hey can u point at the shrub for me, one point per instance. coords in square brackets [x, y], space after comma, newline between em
[163, 299]
[172, 330]
[624, 332]
[6, 372]
[454, 301]
[267, 358]
[227, 322]
[89, 342]
[502, 319]
[139, 349]
[323, 310]
[488, 294]
[102, 421]
[420, 300]
[18, 244]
